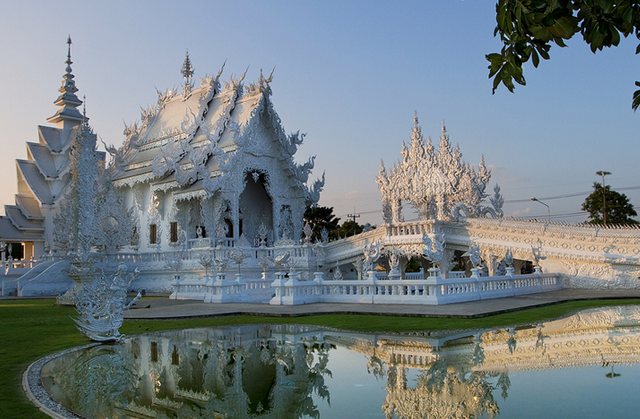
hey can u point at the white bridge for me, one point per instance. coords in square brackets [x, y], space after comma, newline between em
[573, 256]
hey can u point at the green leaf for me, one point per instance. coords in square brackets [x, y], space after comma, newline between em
[535, 58]
[635, 104]
[495, 58]
[615, 37]
[564, 28]
[543, 53]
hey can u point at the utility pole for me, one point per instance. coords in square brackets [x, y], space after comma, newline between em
[548, 209]
[354, 216]
[604, 195]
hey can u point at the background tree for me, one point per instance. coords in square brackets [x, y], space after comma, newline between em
[319, 218]
[528, 28]
[348, 227]
[618, 209]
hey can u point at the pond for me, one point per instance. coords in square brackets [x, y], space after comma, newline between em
[585, 366]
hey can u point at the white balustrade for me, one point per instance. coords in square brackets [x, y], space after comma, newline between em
[431, 291]
[414, 275]
[191, 289]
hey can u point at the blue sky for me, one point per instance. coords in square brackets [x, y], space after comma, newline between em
[350, 75]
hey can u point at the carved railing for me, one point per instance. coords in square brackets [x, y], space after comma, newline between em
[17, 267]
[432, 291]
[217, 288]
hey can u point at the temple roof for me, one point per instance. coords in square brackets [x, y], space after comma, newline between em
[29, 207]
[36, 181]
[190, 140]
[50, 137]
[42, 157]
[20, 221]
[9, 232]
[222, 118]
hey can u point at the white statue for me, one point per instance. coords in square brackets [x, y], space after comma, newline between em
[508, 258]
[101, 304]
[394, 264]
[206, 260]
[337, 275]
[371, 255]
[434, 250]
[474, 255]
[238, 257]
[537, 253]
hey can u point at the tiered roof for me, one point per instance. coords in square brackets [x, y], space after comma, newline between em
[187, 140]
[43, 176]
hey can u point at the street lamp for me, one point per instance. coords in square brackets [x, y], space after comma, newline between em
[548, 210]
[604, 196]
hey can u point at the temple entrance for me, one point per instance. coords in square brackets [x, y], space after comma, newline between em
[256, 208]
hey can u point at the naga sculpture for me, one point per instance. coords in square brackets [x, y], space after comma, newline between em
[537, 253]
[101, 304]
[474, 255]
[371, 255]
[434, 250]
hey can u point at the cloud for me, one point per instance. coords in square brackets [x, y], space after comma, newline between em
[521, 213]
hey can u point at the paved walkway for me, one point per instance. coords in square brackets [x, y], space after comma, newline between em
[163, 308]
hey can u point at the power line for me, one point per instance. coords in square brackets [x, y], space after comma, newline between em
[571, 195]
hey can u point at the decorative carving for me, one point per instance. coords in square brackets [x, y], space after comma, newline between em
[474, 255]
[434, 249]
[101, 303]
[307, 233]
[537, 253]
[318, 250]
[262, 234]
[207, 261]
[508, 258]
[75, 230]
[337, 274]
[238, 257]
[175, 261]
[371, 255]
[437, 184]
[324, 235]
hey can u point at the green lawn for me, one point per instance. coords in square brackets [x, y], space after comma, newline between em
[31, 329]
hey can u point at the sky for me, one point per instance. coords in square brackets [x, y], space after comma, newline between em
[348, 74]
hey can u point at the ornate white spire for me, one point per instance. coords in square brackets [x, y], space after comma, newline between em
[187, 73]
[187, 68]
[68, 101]
[433, 181]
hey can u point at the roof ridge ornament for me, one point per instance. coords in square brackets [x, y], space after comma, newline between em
[84, 109]
[264, 83]
[187, 72]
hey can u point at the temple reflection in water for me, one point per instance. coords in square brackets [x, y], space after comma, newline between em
[284, 371]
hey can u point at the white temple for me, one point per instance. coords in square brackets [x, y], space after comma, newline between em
[212, 163]
[205, 200]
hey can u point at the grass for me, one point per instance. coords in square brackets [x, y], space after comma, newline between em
[31, 329]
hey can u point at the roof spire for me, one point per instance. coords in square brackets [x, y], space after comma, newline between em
[68, 101]
[68, 85]
[187, 73]
[187, 69]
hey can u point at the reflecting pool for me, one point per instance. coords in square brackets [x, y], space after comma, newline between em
[583, 366]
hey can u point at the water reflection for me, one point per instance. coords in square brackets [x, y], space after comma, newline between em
[283, 371]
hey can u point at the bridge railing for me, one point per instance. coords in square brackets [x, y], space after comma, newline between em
[432, 291]
[216, 288]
